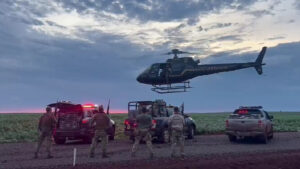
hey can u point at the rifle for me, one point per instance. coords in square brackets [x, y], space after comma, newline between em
[182, 108]
[107, 110]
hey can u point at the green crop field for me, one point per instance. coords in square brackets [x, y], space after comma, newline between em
[23, 127]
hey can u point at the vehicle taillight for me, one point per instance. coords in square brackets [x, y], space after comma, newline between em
[134, 125]
[153, 123]
[260, 124]
[85, 121]
[126, 122]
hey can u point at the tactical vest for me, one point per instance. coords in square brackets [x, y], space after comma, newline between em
[177, 122]
[102, 121]
[144, 121]
[47, 123]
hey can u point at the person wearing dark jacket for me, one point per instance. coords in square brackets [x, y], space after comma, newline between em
[102, 122]
[46, 126]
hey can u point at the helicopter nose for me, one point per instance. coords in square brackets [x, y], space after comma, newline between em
[140, 78]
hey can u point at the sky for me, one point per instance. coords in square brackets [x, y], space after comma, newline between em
[89, 51]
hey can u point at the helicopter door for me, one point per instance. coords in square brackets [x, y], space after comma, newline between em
[163, 72]
[160, 72]
[154, 71]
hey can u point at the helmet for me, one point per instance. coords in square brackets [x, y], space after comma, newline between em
[101, 110]
[95, 111]
[176, 110]
[48, 109]
[144, 110]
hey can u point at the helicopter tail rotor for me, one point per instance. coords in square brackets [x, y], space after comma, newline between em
[259, 60]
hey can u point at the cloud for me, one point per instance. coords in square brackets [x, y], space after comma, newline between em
[260, 13]
[157, 10]
[217, 26]
[276, 38]
[92, 51]
[235, 38]
[297, 5]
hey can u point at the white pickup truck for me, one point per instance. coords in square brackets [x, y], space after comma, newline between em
[249, 122]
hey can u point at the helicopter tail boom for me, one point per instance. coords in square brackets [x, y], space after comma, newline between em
[259, 60]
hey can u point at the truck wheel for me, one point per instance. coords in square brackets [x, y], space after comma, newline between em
[271, 135]
[191, 133]
[59, 140]
[264, 138]
[165, 136]
[232, 138]
[111, 137]
[112, 134]
[132, 138]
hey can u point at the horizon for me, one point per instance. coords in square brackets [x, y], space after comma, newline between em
[125, 112]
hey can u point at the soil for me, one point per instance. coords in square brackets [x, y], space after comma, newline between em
[208, 152]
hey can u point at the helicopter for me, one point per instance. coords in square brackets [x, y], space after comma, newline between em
[173, 76]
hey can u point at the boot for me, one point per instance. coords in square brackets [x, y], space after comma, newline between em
[132, 154]
[104, 155]
[151, 155]
[92, 155]
[35, 155]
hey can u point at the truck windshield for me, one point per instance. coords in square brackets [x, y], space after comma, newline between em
[249, 112]
[70, 110]
[88, 112]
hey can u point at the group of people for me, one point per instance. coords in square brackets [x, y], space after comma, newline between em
[100, 119]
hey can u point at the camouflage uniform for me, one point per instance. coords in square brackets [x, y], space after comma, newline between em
[46, 125]
[176, 123]
[144, 123]
[102, 124]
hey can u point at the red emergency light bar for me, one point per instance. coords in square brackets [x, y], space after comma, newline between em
[243, 111]
[89, 106]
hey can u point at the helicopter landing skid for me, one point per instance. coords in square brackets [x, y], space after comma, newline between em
[168, 88]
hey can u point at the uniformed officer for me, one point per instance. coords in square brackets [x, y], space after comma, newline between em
[102, 124]
[46, 126]
[144, 124]
[176, 124]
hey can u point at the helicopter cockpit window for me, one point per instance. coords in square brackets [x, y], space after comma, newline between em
[154, 68]
[147, 70]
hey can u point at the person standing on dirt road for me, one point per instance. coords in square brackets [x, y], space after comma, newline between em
[102, 124]
[176, 125]
[144, 124]
[46, 126]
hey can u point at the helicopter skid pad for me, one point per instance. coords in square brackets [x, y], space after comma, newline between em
[168, 88]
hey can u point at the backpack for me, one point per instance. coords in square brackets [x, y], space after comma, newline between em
[177, 123]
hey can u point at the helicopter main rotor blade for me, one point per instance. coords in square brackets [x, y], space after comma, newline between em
[183, 52]
[169, 53]
[176, 51]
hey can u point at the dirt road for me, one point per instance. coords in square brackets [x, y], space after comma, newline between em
[214, 151]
